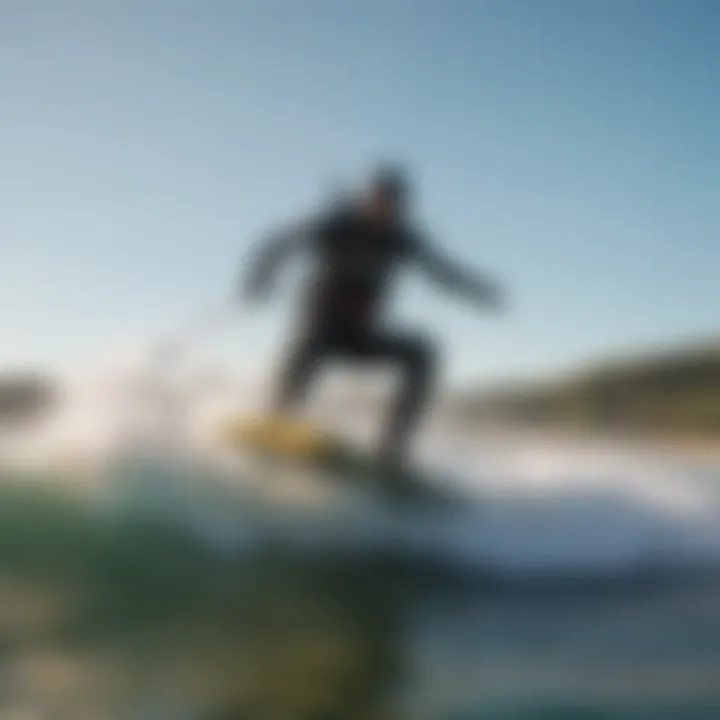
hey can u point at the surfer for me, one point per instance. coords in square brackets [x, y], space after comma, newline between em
[359, 245]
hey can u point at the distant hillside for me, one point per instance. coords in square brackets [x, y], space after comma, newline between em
[674, 391]
[25, 396]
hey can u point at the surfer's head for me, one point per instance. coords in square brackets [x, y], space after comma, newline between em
[388, 192]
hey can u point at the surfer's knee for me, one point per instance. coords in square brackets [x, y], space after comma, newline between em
[420, 355]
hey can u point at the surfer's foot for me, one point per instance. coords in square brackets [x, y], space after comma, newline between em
[395, 476]
[402, 482]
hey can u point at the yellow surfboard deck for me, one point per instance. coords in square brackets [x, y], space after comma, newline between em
[305, 444]
[291, 439]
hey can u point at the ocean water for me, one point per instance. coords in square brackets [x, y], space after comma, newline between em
[574, 582]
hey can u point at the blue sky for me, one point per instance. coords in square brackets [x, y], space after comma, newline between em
[571, 147]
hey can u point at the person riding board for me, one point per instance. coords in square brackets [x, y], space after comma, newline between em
[359, 247]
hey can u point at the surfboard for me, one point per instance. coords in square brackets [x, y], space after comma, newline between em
[303, 444]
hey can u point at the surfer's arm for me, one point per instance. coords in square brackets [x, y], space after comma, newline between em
[473, 285]
[271, 254]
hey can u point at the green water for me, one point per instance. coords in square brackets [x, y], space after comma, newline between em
[134, 620]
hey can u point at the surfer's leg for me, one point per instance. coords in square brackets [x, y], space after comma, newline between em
[295, 378]
[415, 357]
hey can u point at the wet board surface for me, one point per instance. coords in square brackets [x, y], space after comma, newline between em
[304, 445]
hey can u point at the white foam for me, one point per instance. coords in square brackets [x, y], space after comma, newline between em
[532, 509]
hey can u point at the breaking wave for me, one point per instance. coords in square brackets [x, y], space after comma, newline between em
[528, 511]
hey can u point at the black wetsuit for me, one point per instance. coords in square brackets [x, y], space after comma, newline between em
[357, 259]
